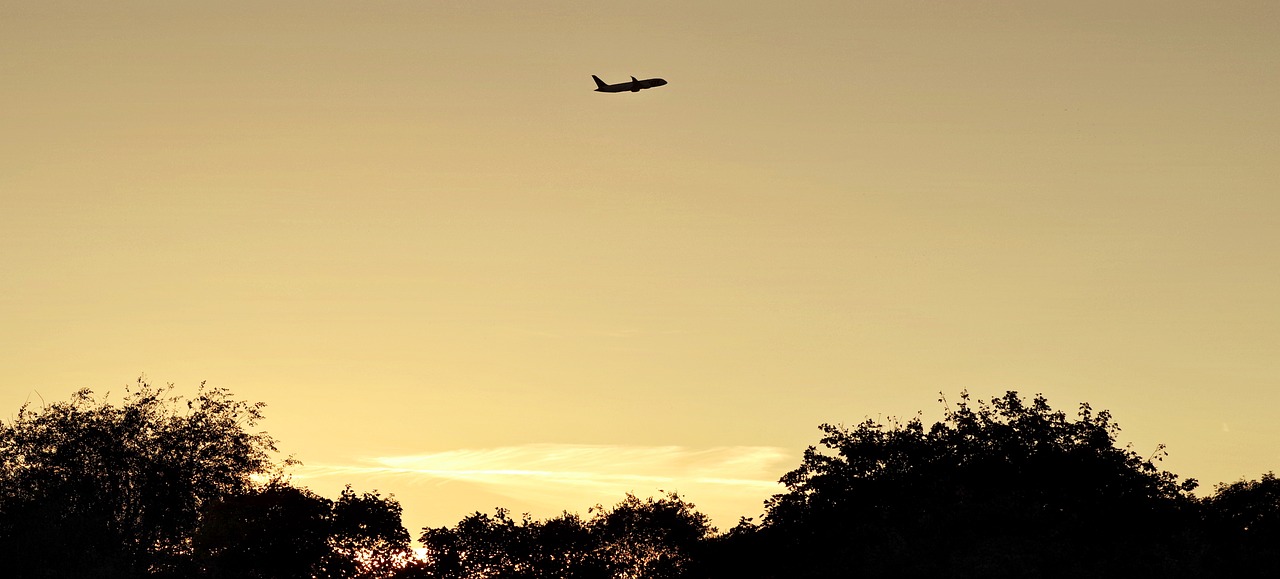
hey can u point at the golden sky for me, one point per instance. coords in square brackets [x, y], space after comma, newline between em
[457, 274]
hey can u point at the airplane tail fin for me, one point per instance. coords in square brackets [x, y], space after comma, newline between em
[599, 83]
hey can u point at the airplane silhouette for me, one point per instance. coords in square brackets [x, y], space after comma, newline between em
[633, 86]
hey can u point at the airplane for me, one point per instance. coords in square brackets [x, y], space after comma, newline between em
[633, 86]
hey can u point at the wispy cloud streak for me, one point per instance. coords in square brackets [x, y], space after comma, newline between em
[611, 466]
[438, 488]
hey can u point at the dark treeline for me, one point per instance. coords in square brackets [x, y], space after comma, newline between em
[162, 486]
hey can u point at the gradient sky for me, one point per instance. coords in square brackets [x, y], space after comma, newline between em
[457, 274]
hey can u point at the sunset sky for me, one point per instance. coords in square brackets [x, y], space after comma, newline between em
[457, 274]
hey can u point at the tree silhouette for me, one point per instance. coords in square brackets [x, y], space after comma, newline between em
[651, 538]
[366, 536]
[159, 486]
[122, 486]
[998, 488]
[1244, 525]
[481, 546]
[277, 531]
[284, 532]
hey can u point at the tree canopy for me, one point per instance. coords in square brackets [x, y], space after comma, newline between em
[161, 486]
[649, 538]
[1004, 487]
[158, 485]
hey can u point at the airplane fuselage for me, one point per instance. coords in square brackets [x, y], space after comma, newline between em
[633, 86]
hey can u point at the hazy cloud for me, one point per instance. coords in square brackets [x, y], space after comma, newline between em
[567, 475]
[580, 465]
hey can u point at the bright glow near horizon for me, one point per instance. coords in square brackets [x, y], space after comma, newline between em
[413, 228]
